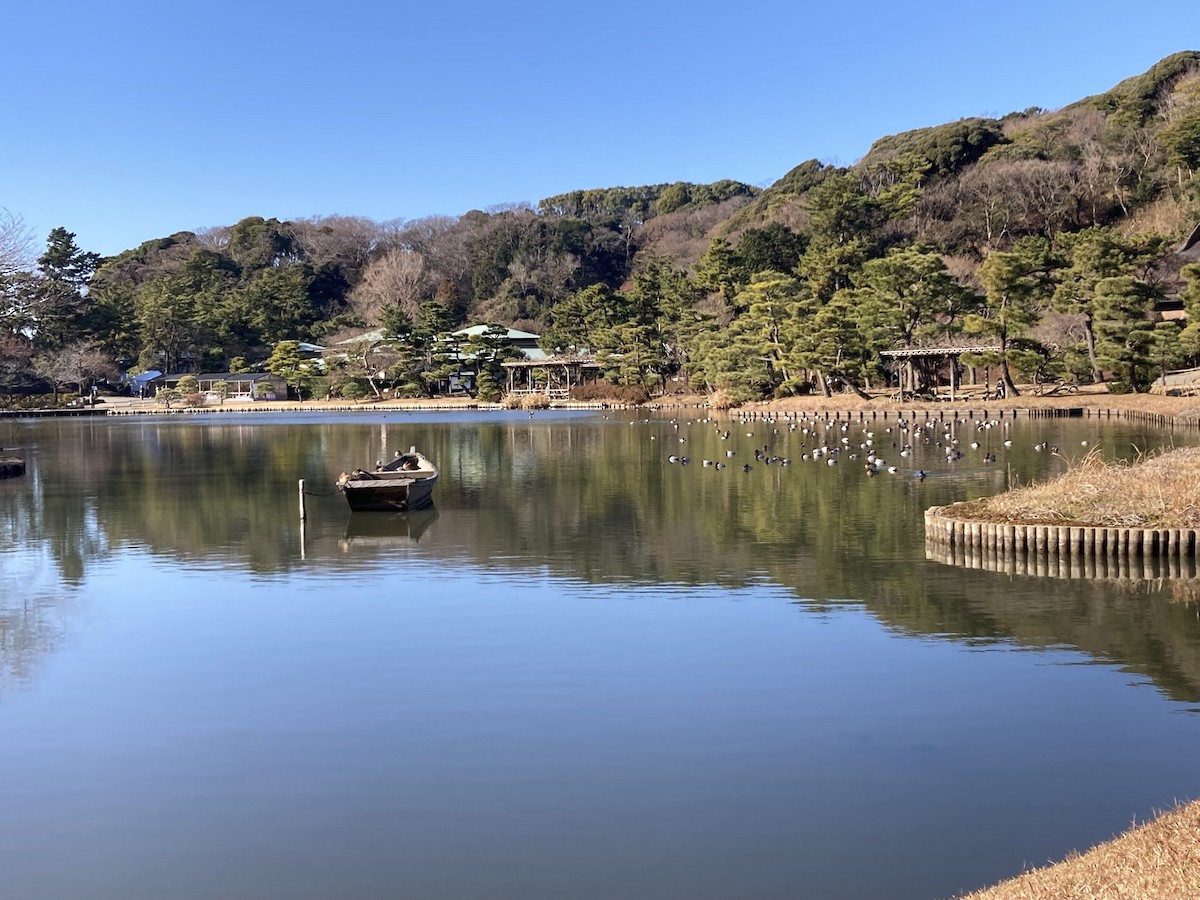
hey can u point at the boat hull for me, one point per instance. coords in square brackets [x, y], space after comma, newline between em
[389, 494]
[406, 483]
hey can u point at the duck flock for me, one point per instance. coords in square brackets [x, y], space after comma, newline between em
[890, 448]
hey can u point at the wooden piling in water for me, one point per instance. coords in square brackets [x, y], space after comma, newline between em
[1074, 551]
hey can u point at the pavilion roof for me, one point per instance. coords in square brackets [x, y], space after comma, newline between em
[936, 352]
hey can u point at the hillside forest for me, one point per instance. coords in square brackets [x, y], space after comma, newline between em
[1064, 240]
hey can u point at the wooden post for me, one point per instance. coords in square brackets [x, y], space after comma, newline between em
[303, 513]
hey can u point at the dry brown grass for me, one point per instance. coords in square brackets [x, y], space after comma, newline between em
[1158, 492]
[1156, 861]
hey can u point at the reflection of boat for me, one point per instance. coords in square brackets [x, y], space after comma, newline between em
[388, 531]
[403, 484]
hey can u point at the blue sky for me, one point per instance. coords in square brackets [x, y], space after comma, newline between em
[127, 121]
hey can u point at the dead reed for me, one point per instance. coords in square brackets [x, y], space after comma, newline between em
[1156, 861]
[1161, 491]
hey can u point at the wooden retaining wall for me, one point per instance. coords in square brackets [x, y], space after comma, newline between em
[952, 413]
[966, 536]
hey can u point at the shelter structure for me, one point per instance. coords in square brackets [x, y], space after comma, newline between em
[554, 376]
[919, 366]
[220, 386]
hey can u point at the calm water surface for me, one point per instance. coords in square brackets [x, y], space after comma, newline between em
[587, 673]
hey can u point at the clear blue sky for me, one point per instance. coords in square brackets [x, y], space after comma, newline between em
[127, 121]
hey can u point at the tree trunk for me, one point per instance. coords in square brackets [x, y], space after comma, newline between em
[1010, 389]
[1090, 336]
[823, 383]
[854, 387]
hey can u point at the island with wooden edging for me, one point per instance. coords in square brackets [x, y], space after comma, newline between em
[1095, 511]
[11, 467]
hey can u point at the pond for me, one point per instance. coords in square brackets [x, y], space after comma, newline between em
[588, 671]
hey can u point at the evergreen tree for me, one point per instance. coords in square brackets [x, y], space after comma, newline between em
[1018, 285]
[289, 363]
[1094, 255]
[1124, 332]
[61, 301]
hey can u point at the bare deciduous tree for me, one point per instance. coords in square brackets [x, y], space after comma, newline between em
[397, 279]
[441, 240]
[215, 238]
[78, 363]
[17, 252]
[348, 240]
[15, 361]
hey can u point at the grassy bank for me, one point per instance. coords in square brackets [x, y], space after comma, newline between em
[1156, 861]
[1158, 492]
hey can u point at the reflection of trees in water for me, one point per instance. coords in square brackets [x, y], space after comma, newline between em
[596, 502]
[32, 618]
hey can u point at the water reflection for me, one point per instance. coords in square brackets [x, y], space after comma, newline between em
[1049, 564]
[588, 498]
[385, 532]
[587, 671]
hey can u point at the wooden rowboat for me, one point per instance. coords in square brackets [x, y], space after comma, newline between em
[11, 467]
[405, 483]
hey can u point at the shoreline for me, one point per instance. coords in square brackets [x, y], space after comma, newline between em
[1090, 401]
[1154, 860]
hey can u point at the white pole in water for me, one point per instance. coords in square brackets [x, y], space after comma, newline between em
[303, 515]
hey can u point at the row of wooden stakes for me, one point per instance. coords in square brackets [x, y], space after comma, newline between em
[1067, 540]
[1123, 567]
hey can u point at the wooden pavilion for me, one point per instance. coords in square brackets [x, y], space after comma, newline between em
[554, 376]
[917, 365]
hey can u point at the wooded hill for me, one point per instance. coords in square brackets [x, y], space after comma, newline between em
[1055, 236]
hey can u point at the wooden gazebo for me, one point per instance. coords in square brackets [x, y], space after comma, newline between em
[910, 358]
[554, 376]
